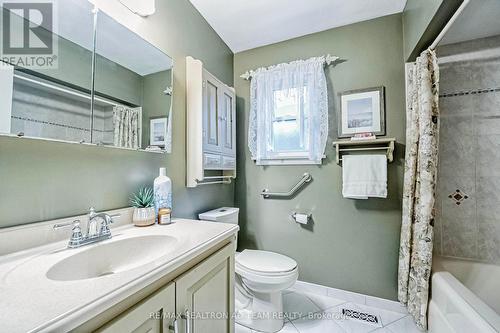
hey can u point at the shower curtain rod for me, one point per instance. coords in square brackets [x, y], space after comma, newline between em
[329, 59]
[67, 91]
[449, 24]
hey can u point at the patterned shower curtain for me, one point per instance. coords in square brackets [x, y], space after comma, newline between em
[126, 127]
[422, 136]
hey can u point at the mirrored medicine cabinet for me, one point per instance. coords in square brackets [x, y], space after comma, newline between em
[99, 83]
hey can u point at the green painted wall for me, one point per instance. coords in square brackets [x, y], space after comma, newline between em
[120, 82]
[417, 16]
[155, 103]
[423, 20]
[351, 244]
[45, 180]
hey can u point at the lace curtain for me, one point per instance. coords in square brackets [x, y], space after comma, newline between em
[126, 127]
[306, 76]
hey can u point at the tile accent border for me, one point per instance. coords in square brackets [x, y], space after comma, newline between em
[471, 92]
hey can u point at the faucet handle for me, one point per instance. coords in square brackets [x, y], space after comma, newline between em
[92, 211]
[76, 235]
[67, 224]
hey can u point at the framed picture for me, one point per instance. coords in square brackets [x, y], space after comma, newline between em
[158, 132]
[362, 111]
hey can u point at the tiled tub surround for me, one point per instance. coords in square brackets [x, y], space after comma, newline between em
[311, 308]
[37, 112]
[468, 193]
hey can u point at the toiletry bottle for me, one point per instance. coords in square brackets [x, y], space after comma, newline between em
[162, 191]
[164, 216]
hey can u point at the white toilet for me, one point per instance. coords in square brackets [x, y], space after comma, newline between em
[261, 276]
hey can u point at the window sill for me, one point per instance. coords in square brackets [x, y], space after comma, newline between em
[287, 161]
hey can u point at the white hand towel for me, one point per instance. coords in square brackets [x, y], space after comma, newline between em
[364, 176]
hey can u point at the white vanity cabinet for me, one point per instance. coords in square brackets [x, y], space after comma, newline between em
[207, 291]
[192, 303]
[155, 314]
[211, 126]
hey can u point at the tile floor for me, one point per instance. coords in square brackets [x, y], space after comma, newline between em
[315, 309]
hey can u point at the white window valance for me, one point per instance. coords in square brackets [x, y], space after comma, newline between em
[288, 118]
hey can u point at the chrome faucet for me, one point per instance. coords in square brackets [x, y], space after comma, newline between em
[94, 233]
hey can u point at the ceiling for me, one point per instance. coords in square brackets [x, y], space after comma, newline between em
[478, 20]
[247, 24]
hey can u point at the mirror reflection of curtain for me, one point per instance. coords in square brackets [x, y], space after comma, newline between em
[126, 126]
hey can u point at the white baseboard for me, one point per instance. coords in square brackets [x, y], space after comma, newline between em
[381, 303]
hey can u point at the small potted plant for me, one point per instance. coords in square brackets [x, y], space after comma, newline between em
[144, 210]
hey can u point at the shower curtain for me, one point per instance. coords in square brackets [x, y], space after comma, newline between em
[126, 127]
[422, 135]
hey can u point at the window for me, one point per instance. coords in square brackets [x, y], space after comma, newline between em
[289, 114]
[290, 123]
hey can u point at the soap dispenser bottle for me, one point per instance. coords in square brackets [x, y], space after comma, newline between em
[162, 191]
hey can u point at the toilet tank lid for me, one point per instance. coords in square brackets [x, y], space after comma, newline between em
[217, 214]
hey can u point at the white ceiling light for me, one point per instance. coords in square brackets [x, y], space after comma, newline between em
[143, 8]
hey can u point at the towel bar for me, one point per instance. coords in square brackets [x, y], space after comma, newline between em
[214, 180]
[306, 178]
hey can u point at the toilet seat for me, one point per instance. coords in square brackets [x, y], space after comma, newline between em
[265, 262]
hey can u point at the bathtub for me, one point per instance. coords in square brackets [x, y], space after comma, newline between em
[465, 297]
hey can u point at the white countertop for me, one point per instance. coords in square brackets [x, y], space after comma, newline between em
[31, 302]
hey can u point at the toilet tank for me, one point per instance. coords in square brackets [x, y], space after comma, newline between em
[224, 214]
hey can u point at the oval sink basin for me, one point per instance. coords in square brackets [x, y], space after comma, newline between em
[111, 258]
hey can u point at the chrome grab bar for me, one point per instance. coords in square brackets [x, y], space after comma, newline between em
[306, 178]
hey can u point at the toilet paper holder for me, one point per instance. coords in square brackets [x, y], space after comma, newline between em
[301, 218]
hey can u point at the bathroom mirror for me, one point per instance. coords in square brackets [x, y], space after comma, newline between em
[49, 97]
[132, 89]
[100, 83]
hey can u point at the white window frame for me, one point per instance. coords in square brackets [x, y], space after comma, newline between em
[293, 157]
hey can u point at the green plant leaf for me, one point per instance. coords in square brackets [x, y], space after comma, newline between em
[144, 198]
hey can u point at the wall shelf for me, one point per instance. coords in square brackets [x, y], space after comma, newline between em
[346, 146]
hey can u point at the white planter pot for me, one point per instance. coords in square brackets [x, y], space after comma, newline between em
[144, 216]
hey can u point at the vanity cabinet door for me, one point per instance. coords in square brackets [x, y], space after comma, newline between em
[211, 113]
[228, 106]
[205, 295]
[154, 314]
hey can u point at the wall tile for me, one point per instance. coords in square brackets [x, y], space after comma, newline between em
[447, 186]
[487, 149]
[487, 71]
[456, 156]
[488, 240]
[459, 237]
[452, 127]
[456, 105]
[488, 197]
[485, 103]
[437, 247]
[458, 77]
